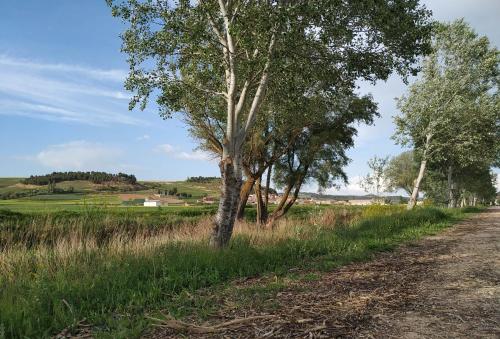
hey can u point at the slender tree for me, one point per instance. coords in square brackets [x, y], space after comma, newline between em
[376, 180]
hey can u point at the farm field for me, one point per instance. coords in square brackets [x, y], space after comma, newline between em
[110, 268]
[80, 195]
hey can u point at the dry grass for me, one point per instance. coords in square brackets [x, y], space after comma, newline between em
[63, 248]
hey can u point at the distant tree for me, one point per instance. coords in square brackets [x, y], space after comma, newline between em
[401, 172]
[95, 177]
[450, 116]
[472, 185]
[375, 181]
[201, 179]
[51, 188]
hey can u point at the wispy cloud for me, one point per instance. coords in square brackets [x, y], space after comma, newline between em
[62, 92]
[177, 153]
[117, 75]
[78, 155]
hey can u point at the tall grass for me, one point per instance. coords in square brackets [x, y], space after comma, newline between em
[53, 284]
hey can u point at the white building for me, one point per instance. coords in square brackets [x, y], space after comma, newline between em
[152, 203]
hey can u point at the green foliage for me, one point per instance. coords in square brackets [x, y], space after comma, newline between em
[201, 179]
[177, 48]
[95, 177]
[450, 116]
[472, 185]
[454, 103]
[401, 172]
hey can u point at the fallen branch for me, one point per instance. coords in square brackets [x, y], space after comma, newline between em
[178, 325]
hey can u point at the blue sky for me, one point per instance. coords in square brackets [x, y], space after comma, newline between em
[63, 106]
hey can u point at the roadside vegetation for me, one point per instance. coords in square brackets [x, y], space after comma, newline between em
[112, 270]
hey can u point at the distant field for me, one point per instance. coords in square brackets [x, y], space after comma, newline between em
[84, 194]
[5, 182]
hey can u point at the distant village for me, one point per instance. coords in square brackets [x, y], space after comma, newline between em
[305, 199]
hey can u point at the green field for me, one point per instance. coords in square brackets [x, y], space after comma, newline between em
[113, 265]
[84, 194]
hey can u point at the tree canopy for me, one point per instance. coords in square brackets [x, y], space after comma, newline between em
[450, 116]
[221, 63]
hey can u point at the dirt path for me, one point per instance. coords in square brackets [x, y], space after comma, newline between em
[445, 286]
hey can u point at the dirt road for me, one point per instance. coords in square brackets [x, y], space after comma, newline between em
[445, 286]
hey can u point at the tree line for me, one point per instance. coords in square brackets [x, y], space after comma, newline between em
[203, 180]
[473, 184]
[94, 177]
[451, 119]
[270, 88]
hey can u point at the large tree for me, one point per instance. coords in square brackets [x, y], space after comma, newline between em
[450, 115]
[212, 61]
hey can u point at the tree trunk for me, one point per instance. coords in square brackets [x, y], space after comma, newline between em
[246, 189]
[228, 204]
[278, 213]
[285, 204]
[281, 205]
[261, 210]
[416, 188]
[268, 183]
[414, 195]
[451, 194]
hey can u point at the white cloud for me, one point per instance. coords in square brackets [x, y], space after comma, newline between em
[352, 188]
[65, 93]
[166, 148]
[195, 155]
[179, 154]
[78, 155]
[144, 137]
[117, 75]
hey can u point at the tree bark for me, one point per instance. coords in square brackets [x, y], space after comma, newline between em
[268, 183]
[230, 195]
[246, 189]
[451, 194]
[416, 188]
[261, 212]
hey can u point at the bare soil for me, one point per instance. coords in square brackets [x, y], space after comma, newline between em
[444, 286]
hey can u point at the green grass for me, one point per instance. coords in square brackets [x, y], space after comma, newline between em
[42, 294]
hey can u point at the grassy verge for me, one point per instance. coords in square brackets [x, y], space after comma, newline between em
[112, 286]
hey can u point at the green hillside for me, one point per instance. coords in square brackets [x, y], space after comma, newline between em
[79, 194]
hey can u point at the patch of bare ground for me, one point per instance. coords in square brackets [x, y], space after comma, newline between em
[445, 286]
